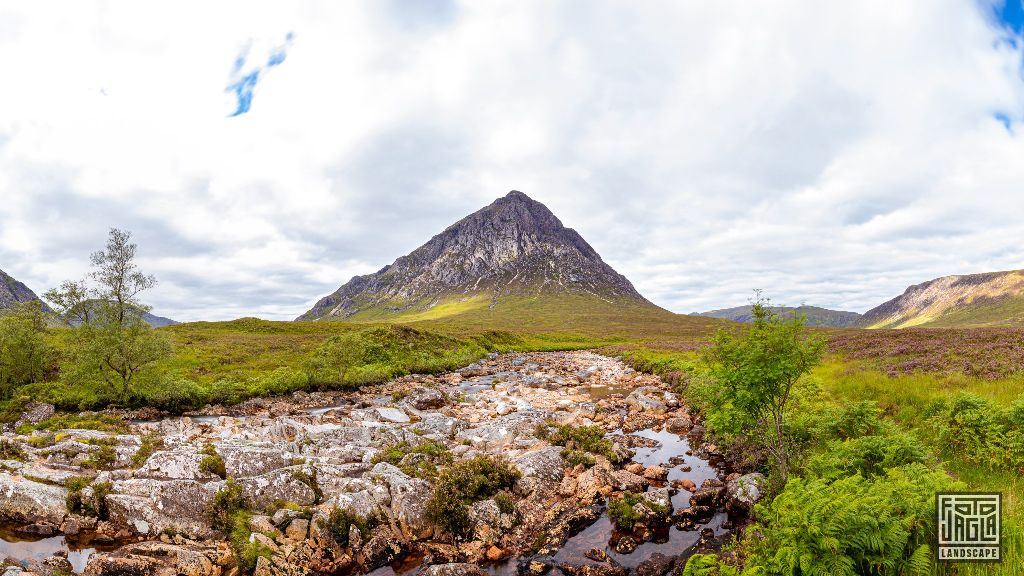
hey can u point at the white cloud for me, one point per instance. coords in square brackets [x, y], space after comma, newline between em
[827, 153]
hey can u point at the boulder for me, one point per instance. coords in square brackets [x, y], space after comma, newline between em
[178, 505]
[22, 500]
[408, 500]
[743, 492]
[181, 463]
[542, 470]
[651, 399]
[424, 398]
[244, 460]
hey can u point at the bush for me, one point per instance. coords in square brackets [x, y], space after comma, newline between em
[226, 502]
[104, 457]
[212, 462]
[429, 454]
[11, 450]
[867, 456]
[464, 483]
[94, 504]
[505, 503]
[341, 521]
[622, 513]
[579, 442]
[857, 525]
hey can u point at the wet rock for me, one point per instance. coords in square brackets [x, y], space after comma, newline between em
[657, 565]
[624, 480]
[743, 492]
[626, 545]
[454, 569]
[635, 468]
[26, 501]
[679, 425]
[42, 529]
[651, 399]
[535, 567]
[605, 569]
[655, 473]
[688, 485]
[596, 480]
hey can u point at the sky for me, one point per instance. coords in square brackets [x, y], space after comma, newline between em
[263, 153]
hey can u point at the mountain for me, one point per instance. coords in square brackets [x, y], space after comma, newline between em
[513, 255]
[158, 321]
[987, 299]
[816, 316]
[13, 292]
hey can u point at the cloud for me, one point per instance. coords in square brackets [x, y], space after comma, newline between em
[244, 79]
[828, 153]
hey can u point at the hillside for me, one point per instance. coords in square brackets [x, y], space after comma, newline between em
[816, 316]
[13, 292]
[972, 300]
[511, 264]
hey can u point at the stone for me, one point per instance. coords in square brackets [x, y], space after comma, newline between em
[624, 480]
[494, 553]
[297, 529]
[26, 501]
[181, 463]
[408, 499]
[542, 470]
[655, 473]
[635, 468]
[454, 569]
[424, 398]
[679, 425]
[743, 492]
[626, 545]
[393, 415]
[688, 485]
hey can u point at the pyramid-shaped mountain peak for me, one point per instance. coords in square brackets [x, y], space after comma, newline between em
[514, 247]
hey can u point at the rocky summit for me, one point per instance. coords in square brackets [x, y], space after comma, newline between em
[986, 299]
[12, 292]
[342, 482]
[514, 247]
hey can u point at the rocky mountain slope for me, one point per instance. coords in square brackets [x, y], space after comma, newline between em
[512, 249]
[987, 299]
[13, 292]
[816, 316]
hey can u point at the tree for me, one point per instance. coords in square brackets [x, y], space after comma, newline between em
[114, 339]
[757, 368]
[25, 353]
[337, 357]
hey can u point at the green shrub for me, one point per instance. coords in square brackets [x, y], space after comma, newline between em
[856, 525]
[464, 483]
[854, 420]
[341, 520]
[226, 502]
[867, 456]
[150, 443]
[430, 454]
[11, 450]
[94, 505]
[212, 462]
[505, 503]
[104, 457]
[84, 421]
[309, 479]
[622, 513]
[579, 442]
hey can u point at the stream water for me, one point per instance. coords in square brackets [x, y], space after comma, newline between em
[24, 547]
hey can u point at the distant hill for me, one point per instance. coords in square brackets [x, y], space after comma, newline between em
[987, 299]
[512, 249]
[150, 318]
[13, 292]
[815, 316]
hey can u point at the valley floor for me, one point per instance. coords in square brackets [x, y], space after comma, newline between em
[260, 484]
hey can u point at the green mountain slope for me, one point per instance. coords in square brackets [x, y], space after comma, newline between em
[816, 316]
[972, 300]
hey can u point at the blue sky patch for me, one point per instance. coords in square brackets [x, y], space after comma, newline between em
[243, 81]
[1011, 14]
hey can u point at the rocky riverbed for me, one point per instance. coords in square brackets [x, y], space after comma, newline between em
[139, 502]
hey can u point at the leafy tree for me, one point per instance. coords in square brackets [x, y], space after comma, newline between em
[756, 369]
[25, 354]
[113, 339]
[337, 356]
